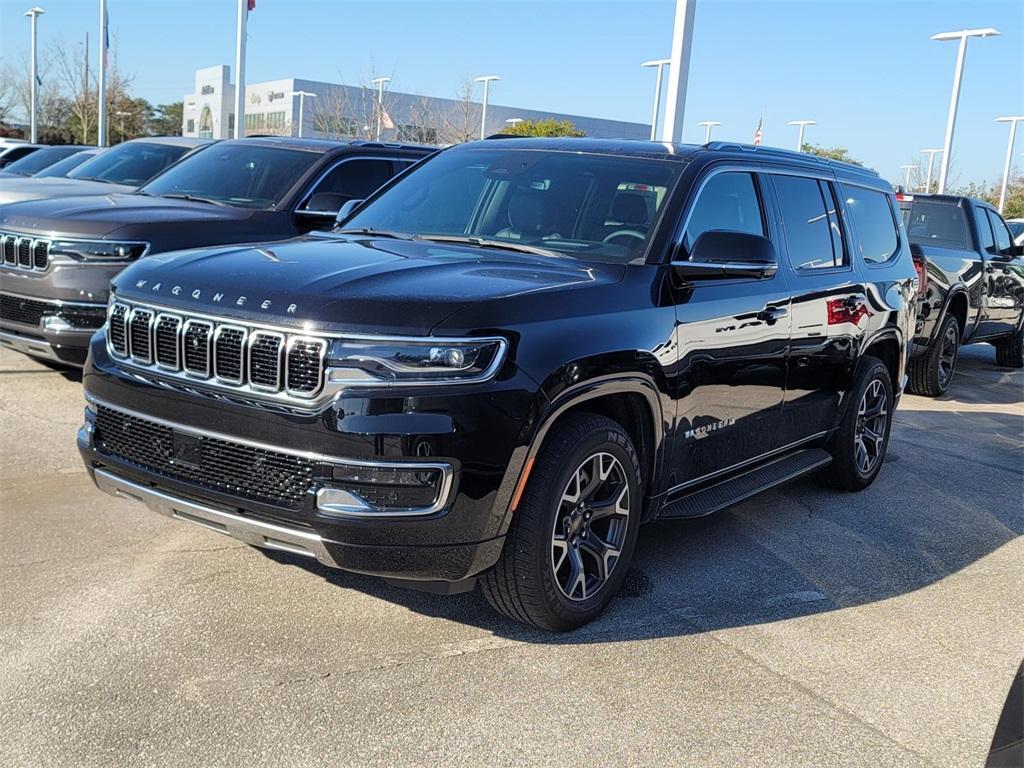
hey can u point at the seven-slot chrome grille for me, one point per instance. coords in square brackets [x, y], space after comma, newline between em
[225, 354]
[24, 252]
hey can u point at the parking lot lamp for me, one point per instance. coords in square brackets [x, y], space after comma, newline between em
[954, 98]
[708, 125]
[660, 64]
[800, 134]
[302, 106]
[931, 159]
[379, 82]
[906, 178]
[514, 121]
[486, 80]
[34, 14]
[1013, 120]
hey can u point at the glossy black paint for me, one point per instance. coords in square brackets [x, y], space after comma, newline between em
[166, 224]
[709, 376]
[983, 290]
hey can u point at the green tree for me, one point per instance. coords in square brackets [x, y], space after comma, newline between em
[165, 120]
[832, 153]
[547, 127]
[1014, 206]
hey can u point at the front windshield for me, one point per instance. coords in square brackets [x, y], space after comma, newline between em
[245, 175]
[574, 204]
[63, 167]
[40, 159]
[132, 163]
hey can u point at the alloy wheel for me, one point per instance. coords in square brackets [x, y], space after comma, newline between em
[947, 355]
[869, 436]
[590, 526]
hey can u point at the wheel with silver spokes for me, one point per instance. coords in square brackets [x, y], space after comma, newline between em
[590, 526]
[574, 530]
[872, 420]
[858, 446]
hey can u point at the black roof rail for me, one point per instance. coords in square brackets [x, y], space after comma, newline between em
[791, 154]
[506, 136]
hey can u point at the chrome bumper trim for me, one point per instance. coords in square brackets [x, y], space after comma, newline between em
[25, 345]
[256, 533]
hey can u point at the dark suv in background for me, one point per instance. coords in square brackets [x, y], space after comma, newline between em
[59, 255]
[972, 286]
[506, 360]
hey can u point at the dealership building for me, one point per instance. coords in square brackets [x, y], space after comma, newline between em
[344, 111]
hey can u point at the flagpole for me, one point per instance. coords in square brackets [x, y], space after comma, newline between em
[101, 96]
[243, 17]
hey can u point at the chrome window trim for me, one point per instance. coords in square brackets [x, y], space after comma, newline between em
[321, 358]
[209, 347]
[446, 469]
[281, 358]
[311, 189]
[177, 340]
[149, 333]
[243, 346]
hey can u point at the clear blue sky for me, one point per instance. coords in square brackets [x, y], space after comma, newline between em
[866, 71]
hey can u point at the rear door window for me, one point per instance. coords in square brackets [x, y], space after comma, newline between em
[813, 233]
[985, 239]
[874, 223]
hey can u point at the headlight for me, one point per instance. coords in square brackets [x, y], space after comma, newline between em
[99, 250]
[369, 361]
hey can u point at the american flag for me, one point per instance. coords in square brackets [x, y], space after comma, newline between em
[757, 133]
[251, 5]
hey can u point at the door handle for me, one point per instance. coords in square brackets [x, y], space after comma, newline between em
[772, 314]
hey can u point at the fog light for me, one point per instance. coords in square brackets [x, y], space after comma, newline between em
[368, 490]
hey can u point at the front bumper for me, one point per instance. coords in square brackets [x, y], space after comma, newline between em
[472, 433]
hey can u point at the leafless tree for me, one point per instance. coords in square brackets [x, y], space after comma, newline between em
[463, 123]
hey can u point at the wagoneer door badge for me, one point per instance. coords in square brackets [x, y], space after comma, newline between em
[699, 433]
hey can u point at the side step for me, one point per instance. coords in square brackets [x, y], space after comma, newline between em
[737, 488]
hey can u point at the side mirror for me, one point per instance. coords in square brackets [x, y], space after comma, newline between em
[345, 211]
[322, 205]
[718, 254]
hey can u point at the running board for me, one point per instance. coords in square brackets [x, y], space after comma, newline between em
[733, 490]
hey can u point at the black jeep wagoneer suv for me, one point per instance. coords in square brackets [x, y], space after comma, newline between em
[502, 363]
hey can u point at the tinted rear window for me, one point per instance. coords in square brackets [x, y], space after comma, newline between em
[935, 223]
[873, 222]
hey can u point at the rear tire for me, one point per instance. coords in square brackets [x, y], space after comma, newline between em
[567, 552]
[931, 374]
[858, 447]
[1010, 351]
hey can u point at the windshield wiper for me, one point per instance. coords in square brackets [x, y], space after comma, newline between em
[483, 242]
[376, 233]
[194, 198]
[94, 178]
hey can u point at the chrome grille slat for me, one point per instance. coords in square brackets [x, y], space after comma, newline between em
[267, 362]
[24, 251]
[166, 341]
[140, 335]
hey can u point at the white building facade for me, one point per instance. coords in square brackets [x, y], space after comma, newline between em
[339, 111]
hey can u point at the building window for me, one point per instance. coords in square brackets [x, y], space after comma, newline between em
[190, 126]
[275, 121]
[231, 122]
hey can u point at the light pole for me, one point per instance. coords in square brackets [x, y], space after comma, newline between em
[931, 159]
[800, 134]
[1009, 154]
[486, 80]
[34, 14]
[708, 125]
[122, 114]
[906, 179]
[954, 99]
[302, 107]
[514, 121]
[679, 74]
[660, 64]
[379, 82]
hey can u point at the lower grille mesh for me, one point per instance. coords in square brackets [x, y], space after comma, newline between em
[233, 468]
[28, 311]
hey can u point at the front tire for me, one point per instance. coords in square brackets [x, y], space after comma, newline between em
[858, 447]
[573, 534]
[931, 374]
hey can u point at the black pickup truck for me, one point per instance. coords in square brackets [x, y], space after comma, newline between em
[508, 358]
[972, 286]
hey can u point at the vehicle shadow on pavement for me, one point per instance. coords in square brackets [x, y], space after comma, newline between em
[800, 550]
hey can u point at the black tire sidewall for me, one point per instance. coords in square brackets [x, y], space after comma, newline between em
[940, 387]
[845, 468]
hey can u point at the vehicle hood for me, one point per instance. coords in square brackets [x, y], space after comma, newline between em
[356, 284]
[115, 215]
[13, 190]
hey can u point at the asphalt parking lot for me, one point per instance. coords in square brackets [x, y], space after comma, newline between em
[806, 627]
